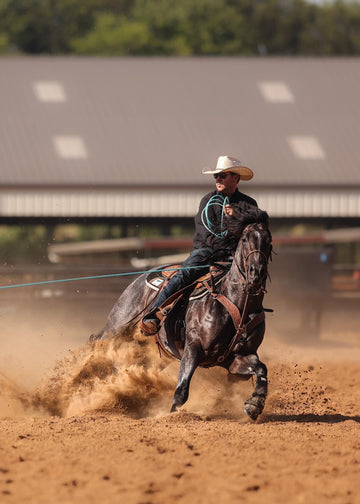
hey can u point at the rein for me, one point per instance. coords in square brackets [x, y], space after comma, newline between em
[238, 318]
[244, 274]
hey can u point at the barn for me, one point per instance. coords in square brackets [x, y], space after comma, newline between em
[127, 138]
[124, 140]
[88, 140]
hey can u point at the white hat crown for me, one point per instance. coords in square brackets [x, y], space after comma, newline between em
[228, 163]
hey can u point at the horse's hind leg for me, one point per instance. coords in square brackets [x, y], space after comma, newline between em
[188, 364]
[119, 322]
[247, 366]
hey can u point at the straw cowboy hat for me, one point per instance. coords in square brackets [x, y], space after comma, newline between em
[230, 164]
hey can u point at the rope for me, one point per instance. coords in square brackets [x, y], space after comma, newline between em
[216, 200]
[98, 276]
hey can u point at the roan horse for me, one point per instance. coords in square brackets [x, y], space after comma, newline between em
[223, 328]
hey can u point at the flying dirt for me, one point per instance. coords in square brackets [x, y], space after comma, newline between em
[87, 421]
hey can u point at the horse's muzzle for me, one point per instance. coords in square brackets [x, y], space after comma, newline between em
[256, 274]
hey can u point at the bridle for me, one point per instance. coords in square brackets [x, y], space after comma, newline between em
[242, 325]
[243, 273]
[253, 252]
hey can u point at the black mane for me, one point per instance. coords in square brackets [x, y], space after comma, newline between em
[245, 214]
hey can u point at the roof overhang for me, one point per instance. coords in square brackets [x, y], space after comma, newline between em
[170, 202]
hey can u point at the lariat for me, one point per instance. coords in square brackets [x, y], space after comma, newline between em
[216, 200]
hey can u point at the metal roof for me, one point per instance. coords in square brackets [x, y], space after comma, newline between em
[84, 203]
[145, 127]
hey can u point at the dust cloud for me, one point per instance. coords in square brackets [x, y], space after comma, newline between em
[47, 370]
[124, 376]
[109, 375]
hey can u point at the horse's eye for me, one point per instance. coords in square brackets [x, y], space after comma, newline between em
[244, 239]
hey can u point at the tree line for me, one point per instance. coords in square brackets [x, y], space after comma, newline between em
[179, 27]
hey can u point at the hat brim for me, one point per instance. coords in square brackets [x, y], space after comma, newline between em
[244, 172]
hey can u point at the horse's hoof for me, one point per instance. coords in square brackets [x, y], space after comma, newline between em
[252, 411]
[254, 406]
[174, 408]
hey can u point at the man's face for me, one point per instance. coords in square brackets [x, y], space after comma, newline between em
[226, 182]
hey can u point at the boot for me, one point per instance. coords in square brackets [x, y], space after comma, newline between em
[150, 324]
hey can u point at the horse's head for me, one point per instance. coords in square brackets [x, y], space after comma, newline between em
[254, 251]
[250, 225]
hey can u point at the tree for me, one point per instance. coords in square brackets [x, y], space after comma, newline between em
[335, 29]
[179, 27]
[170, 27]
[113, 36]
[279, 25]
[47, 26]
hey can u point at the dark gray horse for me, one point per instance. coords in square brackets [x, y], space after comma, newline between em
[224, 327]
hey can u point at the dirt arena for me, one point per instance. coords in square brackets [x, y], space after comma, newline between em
[90, 423]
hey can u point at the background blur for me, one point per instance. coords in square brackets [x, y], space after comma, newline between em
[109, 112]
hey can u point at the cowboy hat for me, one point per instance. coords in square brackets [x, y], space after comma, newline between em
[230, 164]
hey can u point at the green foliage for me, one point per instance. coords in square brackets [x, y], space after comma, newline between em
[23, 244]
[179, 27]
[188, 27]
[97, 232]
[167, 27]
[113, 36]
[335, 29]
[48, 26]
[4, 43]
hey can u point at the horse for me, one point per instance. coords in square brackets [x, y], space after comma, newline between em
[224, 327]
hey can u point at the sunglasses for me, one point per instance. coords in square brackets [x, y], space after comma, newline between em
[221, 175]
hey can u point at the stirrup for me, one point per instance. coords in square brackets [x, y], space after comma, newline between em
[146, 330]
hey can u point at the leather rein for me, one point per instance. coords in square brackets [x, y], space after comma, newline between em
[238, 318]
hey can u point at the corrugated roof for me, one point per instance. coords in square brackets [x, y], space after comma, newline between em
[63, 203]
[129, 136]
[158, 121]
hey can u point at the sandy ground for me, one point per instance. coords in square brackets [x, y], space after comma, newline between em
[89, 423]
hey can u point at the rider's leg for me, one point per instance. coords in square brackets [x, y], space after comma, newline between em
[185, 276]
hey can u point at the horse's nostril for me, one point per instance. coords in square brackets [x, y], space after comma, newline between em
[256, 271]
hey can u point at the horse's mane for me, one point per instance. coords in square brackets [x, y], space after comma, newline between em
[245, 214]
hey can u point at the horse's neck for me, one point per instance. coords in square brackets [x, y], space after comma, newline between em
[233, 287]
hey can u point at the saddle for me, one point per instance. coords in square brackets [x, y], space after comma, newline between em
[157, 280]
[176, 305]
[173, 343]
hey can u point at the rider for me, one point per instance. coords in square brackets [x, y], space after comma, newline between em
[208, 239]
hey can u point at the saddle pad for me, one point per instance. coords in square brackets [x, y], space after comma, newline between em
[156, 279]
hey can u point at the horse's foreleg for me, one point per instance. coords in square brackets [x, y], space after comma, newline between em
[247, 366]
[255, 404]
[188, 364]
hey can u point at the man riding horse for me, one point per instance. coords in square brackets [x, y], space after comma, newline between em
[210, 238]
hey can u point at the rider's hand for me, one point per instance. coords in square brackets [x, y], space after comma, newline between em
[229, 211]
